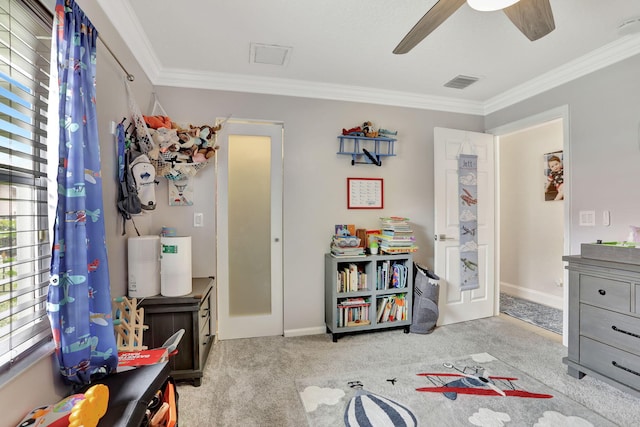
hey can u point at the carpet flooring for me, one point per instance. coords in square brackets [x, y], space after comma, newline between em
[539, 315]
[252, 382]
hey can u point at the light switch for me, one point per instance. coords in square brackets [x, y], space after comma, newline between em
[198, 219]
[606, 218]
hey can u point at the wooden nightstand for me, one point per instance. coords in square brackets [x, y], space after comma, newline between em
[195, 313]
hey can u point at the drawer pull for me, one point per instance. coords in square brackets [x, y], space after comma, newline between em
[602, 292]
[622, 331]
[614, 363]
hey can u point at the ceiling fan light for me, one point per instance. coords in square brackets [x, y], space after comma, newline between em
[490, 5]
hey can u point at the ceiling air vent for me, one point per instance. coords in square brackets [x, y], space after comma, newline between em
[269, 54]
[461, 82]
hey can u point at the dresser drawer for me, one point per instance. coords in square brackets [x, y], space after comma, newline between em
[609, 327]
[606, 293]
[611, 362]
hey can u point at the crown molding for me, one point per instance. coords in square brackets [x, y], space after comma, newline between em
[609, 54]
[126, 23]
[307, 89]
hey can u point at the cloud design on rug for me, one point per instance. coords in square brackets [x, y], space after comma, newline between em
[482, 357]
[313, 396]
[556, 419]
[487, 418]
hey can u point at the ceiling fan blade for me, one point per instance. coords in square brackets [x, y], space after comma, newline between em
[429, 22]
[533, 18]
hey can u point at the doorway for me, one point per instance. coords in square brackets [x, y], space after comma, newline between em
[529, 264]
[249, 251]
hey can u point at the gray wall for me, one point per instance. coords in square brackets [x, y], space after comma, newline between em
[531, 229]
[315, 181]
[604, 110]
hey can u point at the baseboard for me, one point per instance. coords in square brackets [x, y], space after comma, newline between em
[305, 331]
[532, 295]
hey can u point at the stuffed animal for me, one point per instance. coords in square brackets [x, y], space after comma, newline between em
[204, 154]
[165, 139]
[204, 134]
[369, 131]
[155, 122]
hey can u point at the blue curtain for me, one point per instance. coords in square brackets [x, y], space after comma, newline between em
[79, 298]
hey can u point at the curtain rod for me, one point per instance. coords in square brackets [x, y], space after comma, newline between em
[130, 76]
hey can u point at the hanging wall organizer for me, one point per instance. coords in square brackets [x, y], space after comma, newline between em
[365, 150]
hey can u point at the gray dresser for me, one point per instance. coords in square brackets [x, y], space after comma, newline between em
[604, 321]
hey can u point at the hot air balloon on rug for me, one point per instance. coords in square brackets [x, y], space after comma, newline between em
[370, 409]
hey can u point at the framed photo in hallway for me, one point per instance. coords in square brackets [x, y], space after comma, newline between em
[554, 176]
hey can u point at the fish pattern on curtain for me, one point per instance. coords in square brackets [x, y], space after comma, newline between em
[79, 298]
[468, 211]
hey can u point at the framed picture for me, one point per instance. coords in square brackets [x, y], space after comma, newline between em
[365, 193]
[554, 176]
[180, 192]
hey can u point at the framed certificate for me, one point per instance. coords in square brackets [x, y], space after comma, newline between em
[365, 193]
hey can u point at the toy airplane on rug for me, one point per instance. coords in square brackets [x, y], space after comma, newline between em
[461, 382]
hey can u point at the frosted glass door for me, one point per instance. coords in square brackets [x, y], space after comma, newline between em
[249, 230]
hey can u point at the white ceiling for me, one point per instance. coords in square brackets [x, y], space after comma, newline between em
[342, 49]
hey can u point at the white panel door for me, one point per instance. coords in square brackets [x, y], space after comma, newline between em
[249, 230]
[456, 305]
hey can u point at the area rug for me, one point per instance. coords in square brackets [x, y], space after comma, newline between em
[540, 315]
[475, 390]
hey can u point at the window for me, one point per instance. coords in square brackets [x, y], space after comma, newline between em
[25, 248]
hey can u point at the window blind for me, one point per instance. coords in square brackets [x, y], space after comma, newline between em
[25, 248]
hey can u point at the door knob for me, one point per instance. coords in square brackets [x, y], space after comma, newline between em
[443, 237]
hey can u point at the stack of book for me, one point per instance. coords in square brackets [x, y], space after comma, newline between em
[396, 236]
[346, 247]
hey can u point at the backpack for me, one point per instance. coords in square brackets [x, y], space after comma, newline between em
[128, 201]
[144, 176]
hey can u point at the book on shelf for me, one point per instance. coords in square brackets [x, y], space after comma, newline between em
[396, 236]
[391, 274]
[352, 301]
[399, 250]
[351, 278]
[345, 230]
[358, 323]
[382, 303]
[339, 256]
[392, 308]
[353, 315]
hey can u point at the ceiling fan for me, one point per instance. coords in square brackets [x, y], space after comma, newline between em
[533, 18]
